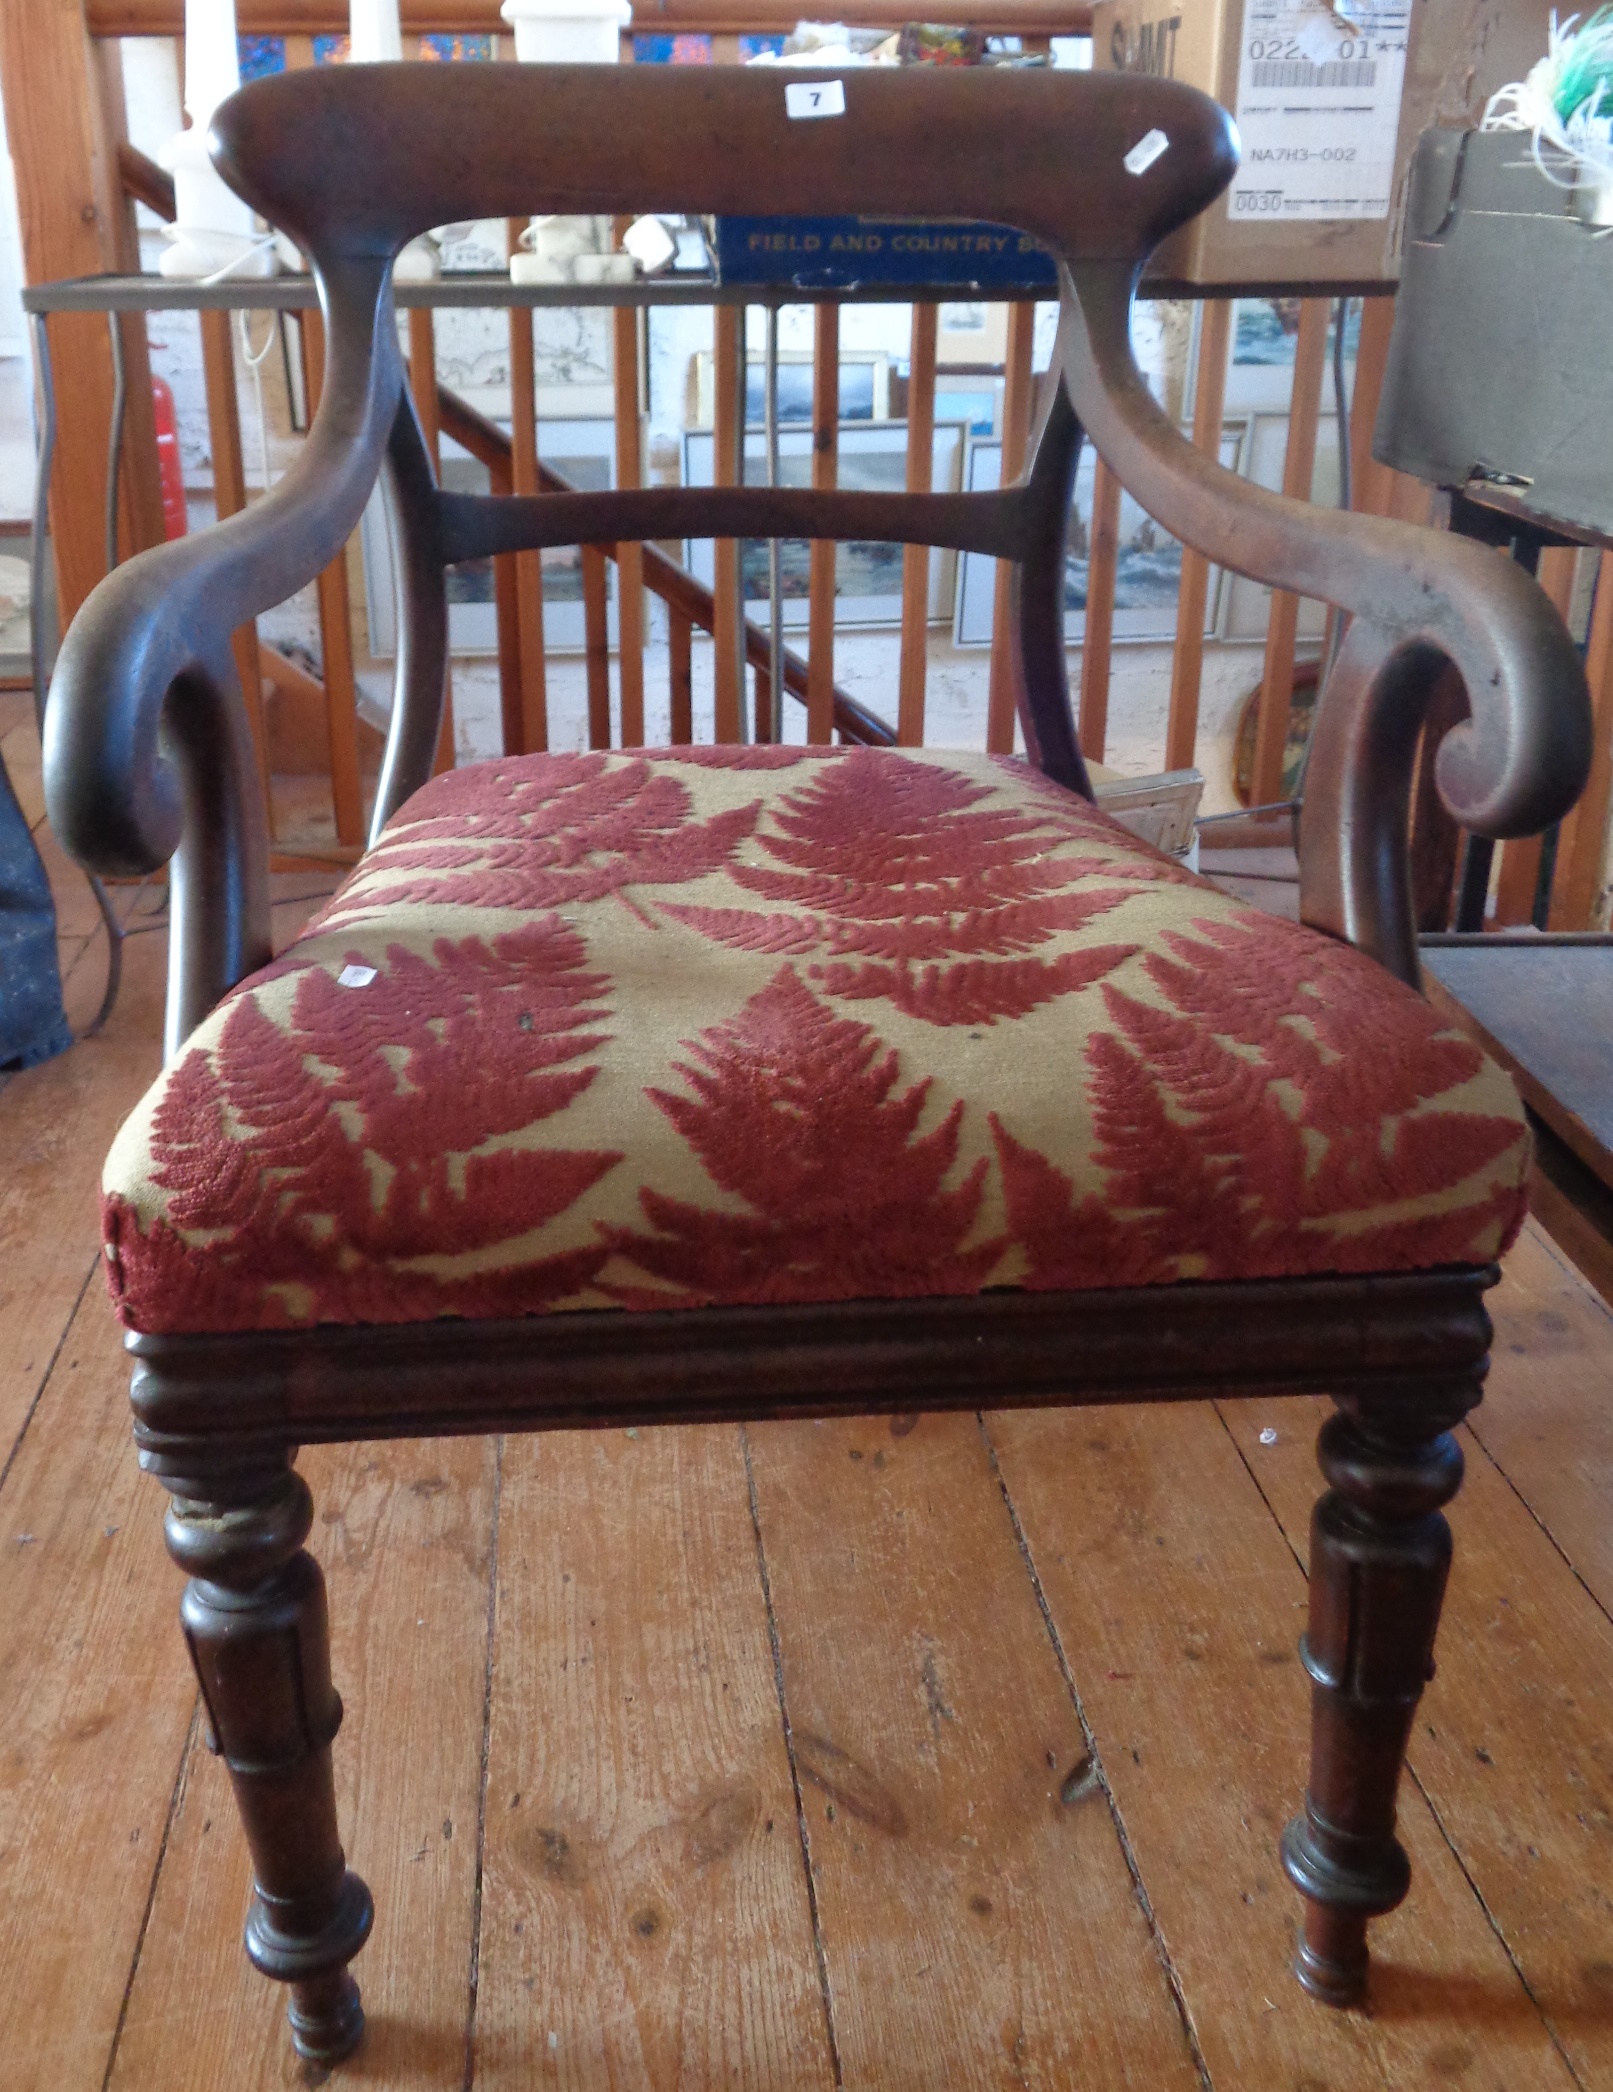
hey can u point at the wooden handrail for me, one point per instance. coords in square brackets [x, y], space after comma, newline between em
[675, 585]
[481, 17]
[145, 181]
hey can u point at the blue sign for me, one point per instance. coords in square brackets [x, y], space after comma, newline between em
[840, 253]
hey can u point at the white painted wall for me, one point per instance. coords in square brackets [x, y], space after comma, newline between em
[16, 373]
[12, 326]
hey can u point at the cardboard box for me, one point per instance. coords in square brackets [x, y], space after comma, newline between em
[1160, 809]
[1329, 103]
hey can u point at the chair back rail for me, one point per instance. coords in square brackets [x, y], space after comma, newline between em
[356, 165]
[353, 162]
[690, 605]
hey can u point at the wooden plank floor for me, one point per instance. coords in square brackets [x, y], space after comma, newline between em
[869, 1754]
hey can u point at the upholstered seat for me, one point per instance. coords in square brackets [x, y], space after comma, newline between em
[712, 1026]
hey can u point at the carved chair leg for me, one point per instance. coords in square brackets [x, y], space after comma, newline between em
[1380, 1554]
[255, 1620]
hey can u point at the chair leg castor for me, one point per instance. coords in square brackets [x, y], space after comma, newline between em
[1380, 1554]
[255, 1620]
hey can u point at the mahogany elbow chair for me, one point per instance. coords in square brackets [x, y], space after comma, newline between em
[707, 1083]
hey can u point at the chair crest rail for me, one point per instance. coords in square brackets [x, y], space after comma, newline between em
[340, 161]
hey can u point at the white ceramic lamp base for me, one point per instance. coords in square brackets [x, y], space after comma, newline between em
[212, 232]
[567, 32]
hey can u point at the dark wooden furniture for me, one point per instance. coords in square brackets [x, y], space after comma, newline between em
[149, 759]
[1500, 282]
[1543, 1006]
[1546, 1005]
[1499, 273]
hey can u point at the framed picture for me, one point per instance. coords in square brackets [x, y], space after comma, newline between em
[975, 401]
[1245, 604]
[14, 627]
[972, 330]
[868, 576]
[1148, 573]
[585, 451]
[864, 387]
[1260, 364]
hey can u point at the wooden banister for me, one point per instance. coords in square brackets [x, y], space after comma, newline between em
[686, 598]
[145, 181]
[481, 17]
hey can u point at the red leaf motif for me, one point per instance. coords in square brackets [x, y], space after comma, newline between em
[797, 1113]
[1069, 1242]
[542, 832]
[198, 1163]
[898, 863]
[974, 991]
[1272, 1118]
[744, 930]
[758, 755]
[372, 1131]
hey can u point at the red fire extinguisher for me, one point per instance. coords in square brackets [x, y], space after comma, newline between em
[169, 472]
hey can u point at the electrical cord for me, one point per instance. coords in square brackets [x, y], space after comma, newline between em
[254, 361]
[1341, 410]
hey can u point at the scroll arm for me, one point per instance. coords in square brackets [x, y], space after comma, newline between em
[1520, 761]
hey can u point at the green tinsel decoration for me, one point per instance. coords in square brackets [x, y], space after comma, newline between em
[1584, 81]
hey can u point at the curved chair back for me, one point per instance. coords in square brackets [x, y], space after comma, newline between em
[353, 162]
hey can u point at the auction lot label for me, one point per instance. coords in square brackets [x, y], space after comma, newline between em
[1319, 108]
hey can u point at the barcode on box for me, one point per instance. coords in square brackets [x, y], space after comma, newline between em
[1299, 72]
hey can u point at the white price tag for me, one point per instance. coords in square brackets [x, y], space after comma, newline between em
[1145, 152]
[355, 976]
[1318, 110]
[815, 98]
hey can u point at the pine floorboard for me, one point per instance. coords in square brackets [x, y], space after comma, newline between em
[968, 1911]
[645, 1918]
[1178, 1602]
[404, 1534]
[856, 1754]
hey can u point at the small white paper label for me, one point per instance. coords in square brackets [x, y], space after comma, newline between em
[355, 977]
[1319, 92]
[815, 98]
[1145, 152]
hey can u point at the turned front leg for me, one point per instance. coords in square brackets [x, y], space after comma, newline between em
[255, 1620]
[1380, 1554]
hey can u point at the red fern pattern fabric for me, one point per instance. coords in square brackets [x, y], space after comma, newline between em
[1254, 1115]
[714, 1026]
[310, 1169]
[921, 894]
[800, 1114]
[498, 837]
